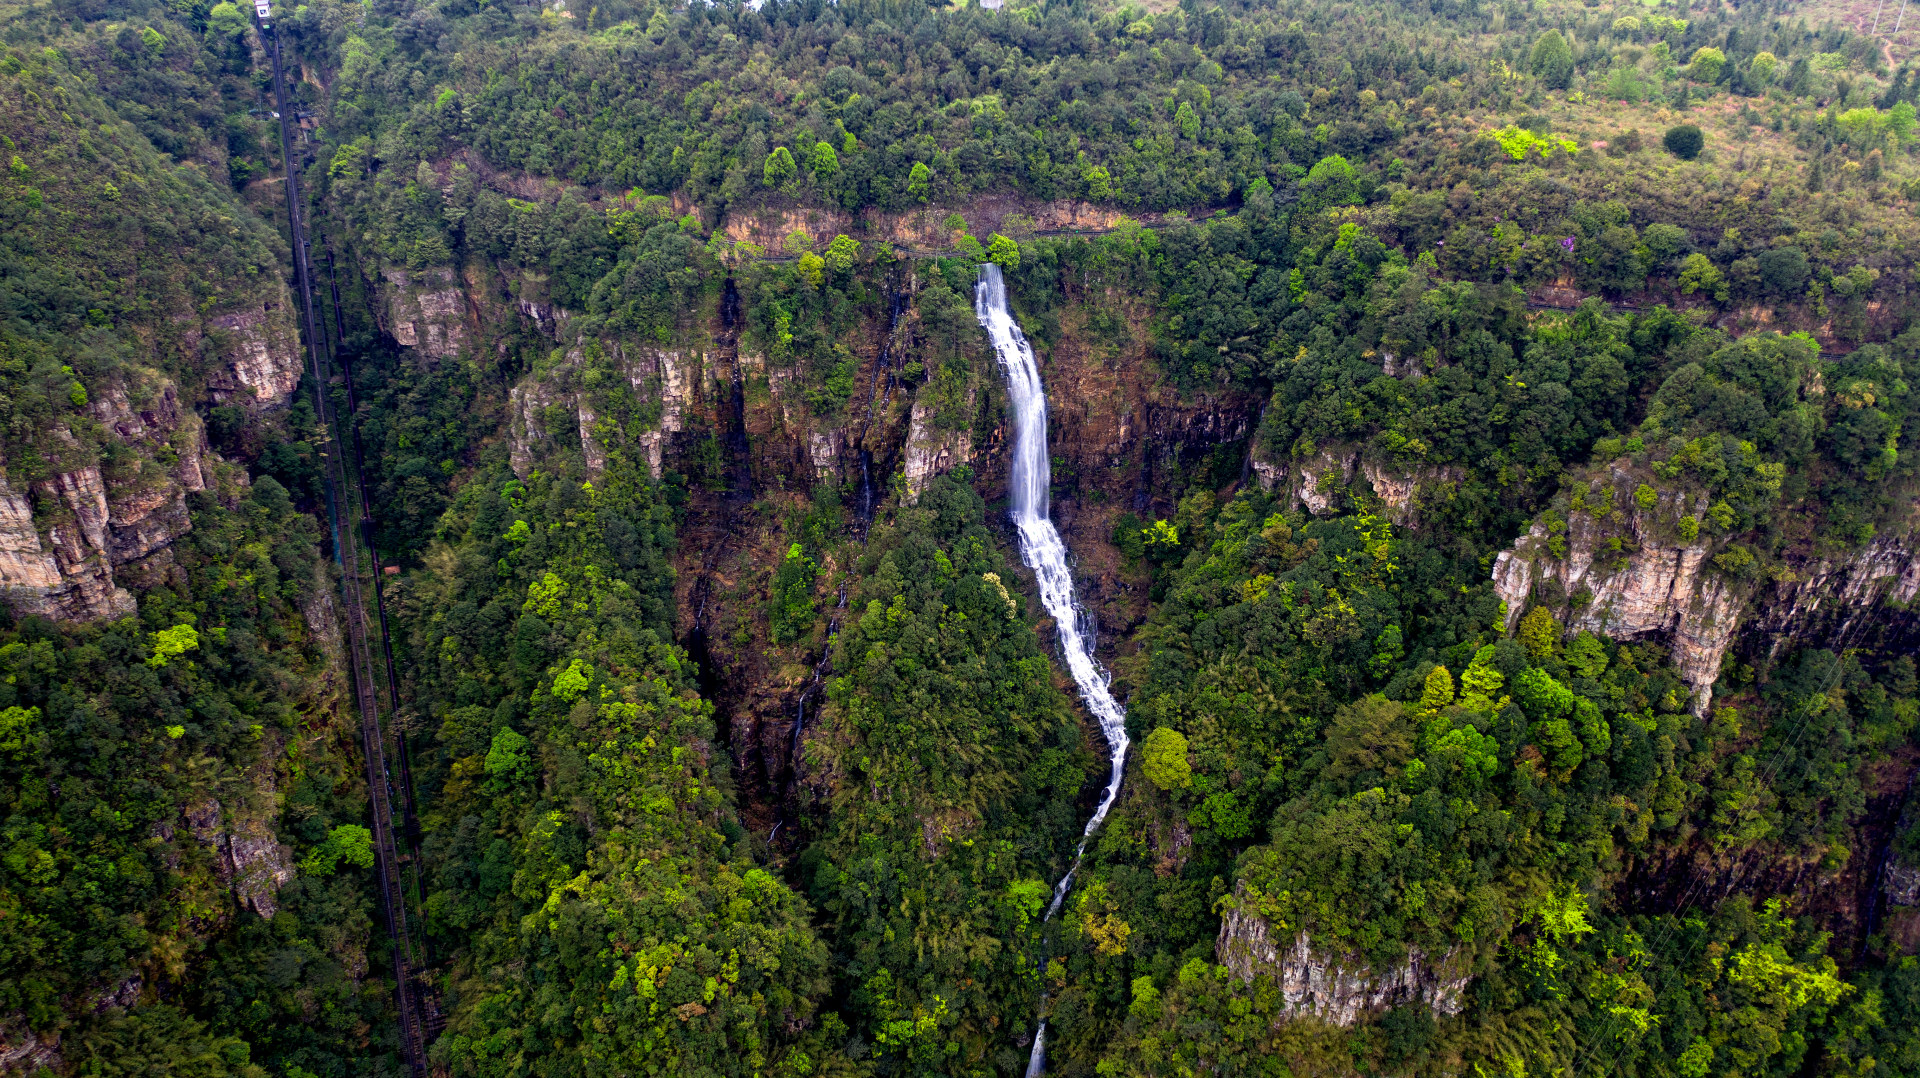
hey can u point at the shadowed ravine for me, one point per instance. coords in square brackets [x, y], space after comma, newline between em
[1046, 554]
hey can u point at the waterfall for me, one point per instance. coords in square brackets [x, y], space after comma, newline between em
[1046, 554]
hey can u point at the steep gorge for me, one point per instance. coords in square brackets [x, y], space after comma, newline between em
[737, 427]
[1458, 697]
[1654, 585]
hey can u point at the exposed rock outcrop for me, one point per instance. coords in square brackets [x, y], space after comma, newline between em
[321, 612]
[22, 1051]
[258, 353]
[25, 565]
[662, 381]
[1315, 482]
[550, 319]
[1338, 989]
[76, 503]
[1622, 572]
[249, 859]
[1315, 477]
[1865, 598]
[527, 405]
[123, 995]
[1404, 492]
[930, 450]
[922, 228]
[257, 865]
[668, 376]
[1652, 586]
[1902, 884]
[427, 309]
[823, 449]
[59, 561]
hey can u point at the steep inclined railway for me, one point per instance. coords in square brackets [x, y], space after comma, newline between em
[408, 959]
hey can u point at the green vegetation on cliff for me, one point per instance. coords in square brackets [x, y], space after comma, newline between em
[151, 765]
[950, 767]
[580, 832]
[1408, 331]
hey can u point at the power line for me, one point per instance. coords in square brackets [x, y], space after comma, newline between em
[1740, 869]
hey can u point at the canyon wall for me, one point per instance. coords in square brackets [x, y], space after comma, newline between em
[71, 541]
[1335, 988]
[739, 430]
[1628, 571]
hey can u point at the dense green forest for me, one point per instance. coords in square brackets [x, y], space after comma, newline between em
[740, 739]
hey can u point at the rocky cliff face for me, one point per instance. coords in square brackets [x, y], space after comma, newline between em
[923, 228]
[740, 426]
[255, 352]
[662, 380]
[70, 541]
[1316, 483]
[1864, 598]
[73, 538]
[1338, 989]
[428, 310]
[1622, 570]
[931, 450]
[249, 859]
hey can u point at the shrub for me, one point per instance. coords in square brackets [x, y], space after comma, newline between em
[842, 253]
[1164, 759]
[1783, 270]
[1539, 634]
[791, 611]
[813, 268]
[1707, 64]
[779, 167]
[351, 843]
[1684, 141]
[1516, 141]
[225, 19]
[1699, 274]
[1553, 60]
[1003, 252]
[1736, 561]
[508, 755]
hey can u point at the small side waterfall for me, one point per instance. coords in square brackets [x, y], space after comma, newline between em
[1046, 554]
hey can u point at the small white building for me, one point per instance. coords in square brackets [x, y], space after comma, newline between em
[262, 9]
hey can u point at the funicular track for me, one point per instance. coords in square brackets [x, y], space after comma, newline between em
[355, 556]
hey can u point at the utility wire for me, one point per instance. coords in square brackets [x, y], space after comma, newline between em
[1694, 888]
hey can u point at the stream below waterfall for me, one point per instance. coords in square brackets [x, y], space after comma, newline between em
[1043, 551]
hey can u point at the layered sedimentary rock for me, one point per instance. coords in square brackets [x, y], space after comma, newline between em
[262, 353]
[251, 356]
[428, 310]
[661, 380]
[63, 537]
[1338, 989]
[931, 450]
[1315, 482]
[1864, 598]
[1631, 578]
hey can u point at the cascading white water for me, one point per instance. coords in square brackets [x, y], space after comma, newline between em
[1046, 554]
